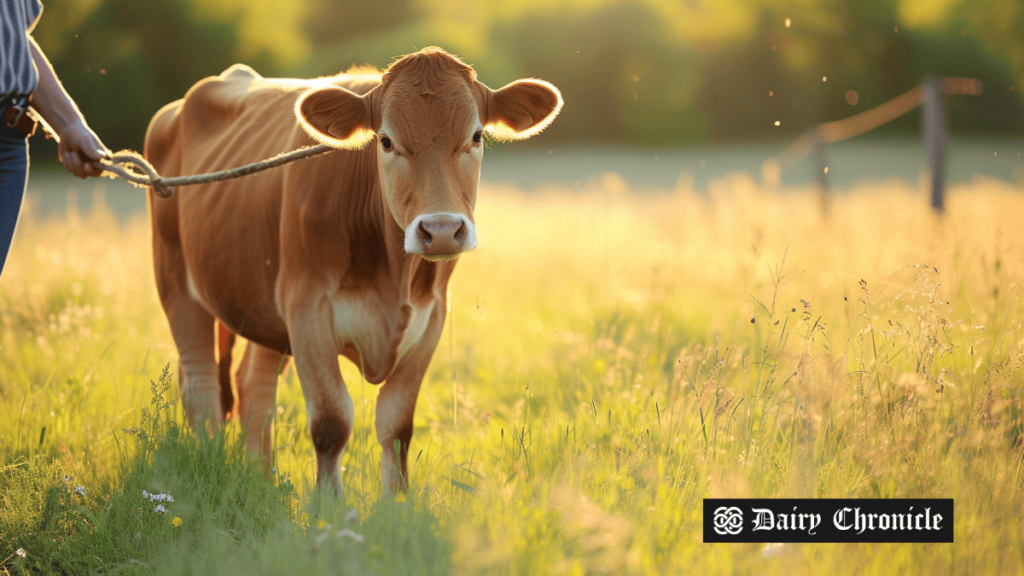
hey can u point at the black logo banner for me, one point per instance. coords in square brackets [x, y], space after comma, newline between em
[827, 520]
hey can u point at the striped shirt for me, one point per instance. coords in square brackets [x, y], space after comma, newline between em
[18, 72]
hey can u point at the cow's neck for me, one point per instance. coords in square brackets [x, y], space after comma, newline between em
[415, 279]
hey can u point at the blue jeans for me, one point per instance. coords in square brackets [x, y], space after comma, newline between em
[13, 177]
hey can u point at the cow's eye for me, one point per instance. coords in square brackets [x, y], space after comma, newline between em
[478, 137]
[386, 144]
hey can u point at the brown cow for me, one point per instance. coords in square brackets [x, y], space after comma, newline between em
[347, 253]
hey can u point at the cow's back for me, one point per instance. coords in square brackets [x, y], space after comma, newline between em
[220, 241]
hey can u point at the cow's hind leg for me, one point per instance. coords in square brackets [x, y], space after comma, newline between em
[191, 325]
[257, 398]
[225, 346]
[193, 330]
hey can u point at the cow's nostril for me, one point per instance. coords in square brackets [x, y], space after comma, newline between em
[460, 234]
[424, 235]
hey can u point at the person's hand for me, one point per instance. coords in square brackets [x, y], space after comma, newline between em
[79, 148]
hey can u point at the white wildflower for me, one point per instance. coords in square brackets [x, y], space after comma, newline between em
[160, 508]
[321, 537]
[352, 517]
[157, 497]
[80, 490]
[21, 552]
[348, 533]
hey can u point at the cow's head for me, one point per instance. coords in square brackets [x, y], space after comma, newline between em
[428, 117]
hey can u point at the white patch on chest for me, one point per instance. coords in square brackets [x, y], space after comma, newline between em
[193, 292]
[417, 326]
[354, 322]
[365, 323]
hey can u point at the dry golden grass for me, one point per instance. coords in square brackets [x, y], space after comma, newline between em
[612, 358]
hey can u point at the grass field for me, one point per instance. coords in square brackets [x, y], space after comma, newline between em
[609, 362]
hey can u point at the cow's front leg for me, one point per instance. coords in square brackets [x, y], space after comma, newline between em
[329, 409]
[396, 406]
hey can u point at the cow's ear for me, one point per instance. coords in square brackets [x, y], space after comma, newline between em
[521, 109]
[336, 117]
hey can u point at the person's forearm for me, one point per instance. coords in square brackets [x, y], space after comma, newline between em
[79, 148]
[50, 99]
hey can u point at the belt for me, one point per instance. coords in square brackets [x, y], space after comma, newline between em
[15, 115]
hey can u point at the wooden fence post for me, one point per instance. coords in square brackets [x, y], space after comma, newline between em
[934, 133]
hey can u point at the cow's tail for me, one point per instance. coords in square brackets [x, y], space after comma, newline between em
[225, 344]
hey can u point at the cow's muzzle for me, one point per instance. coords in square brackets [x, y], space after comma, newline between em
[440, 236]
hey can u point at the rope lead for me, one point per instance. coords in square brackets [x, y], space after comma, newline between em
[131, 166]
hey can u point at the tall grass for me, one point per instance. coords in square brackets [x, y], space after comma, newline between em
[611, 359]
